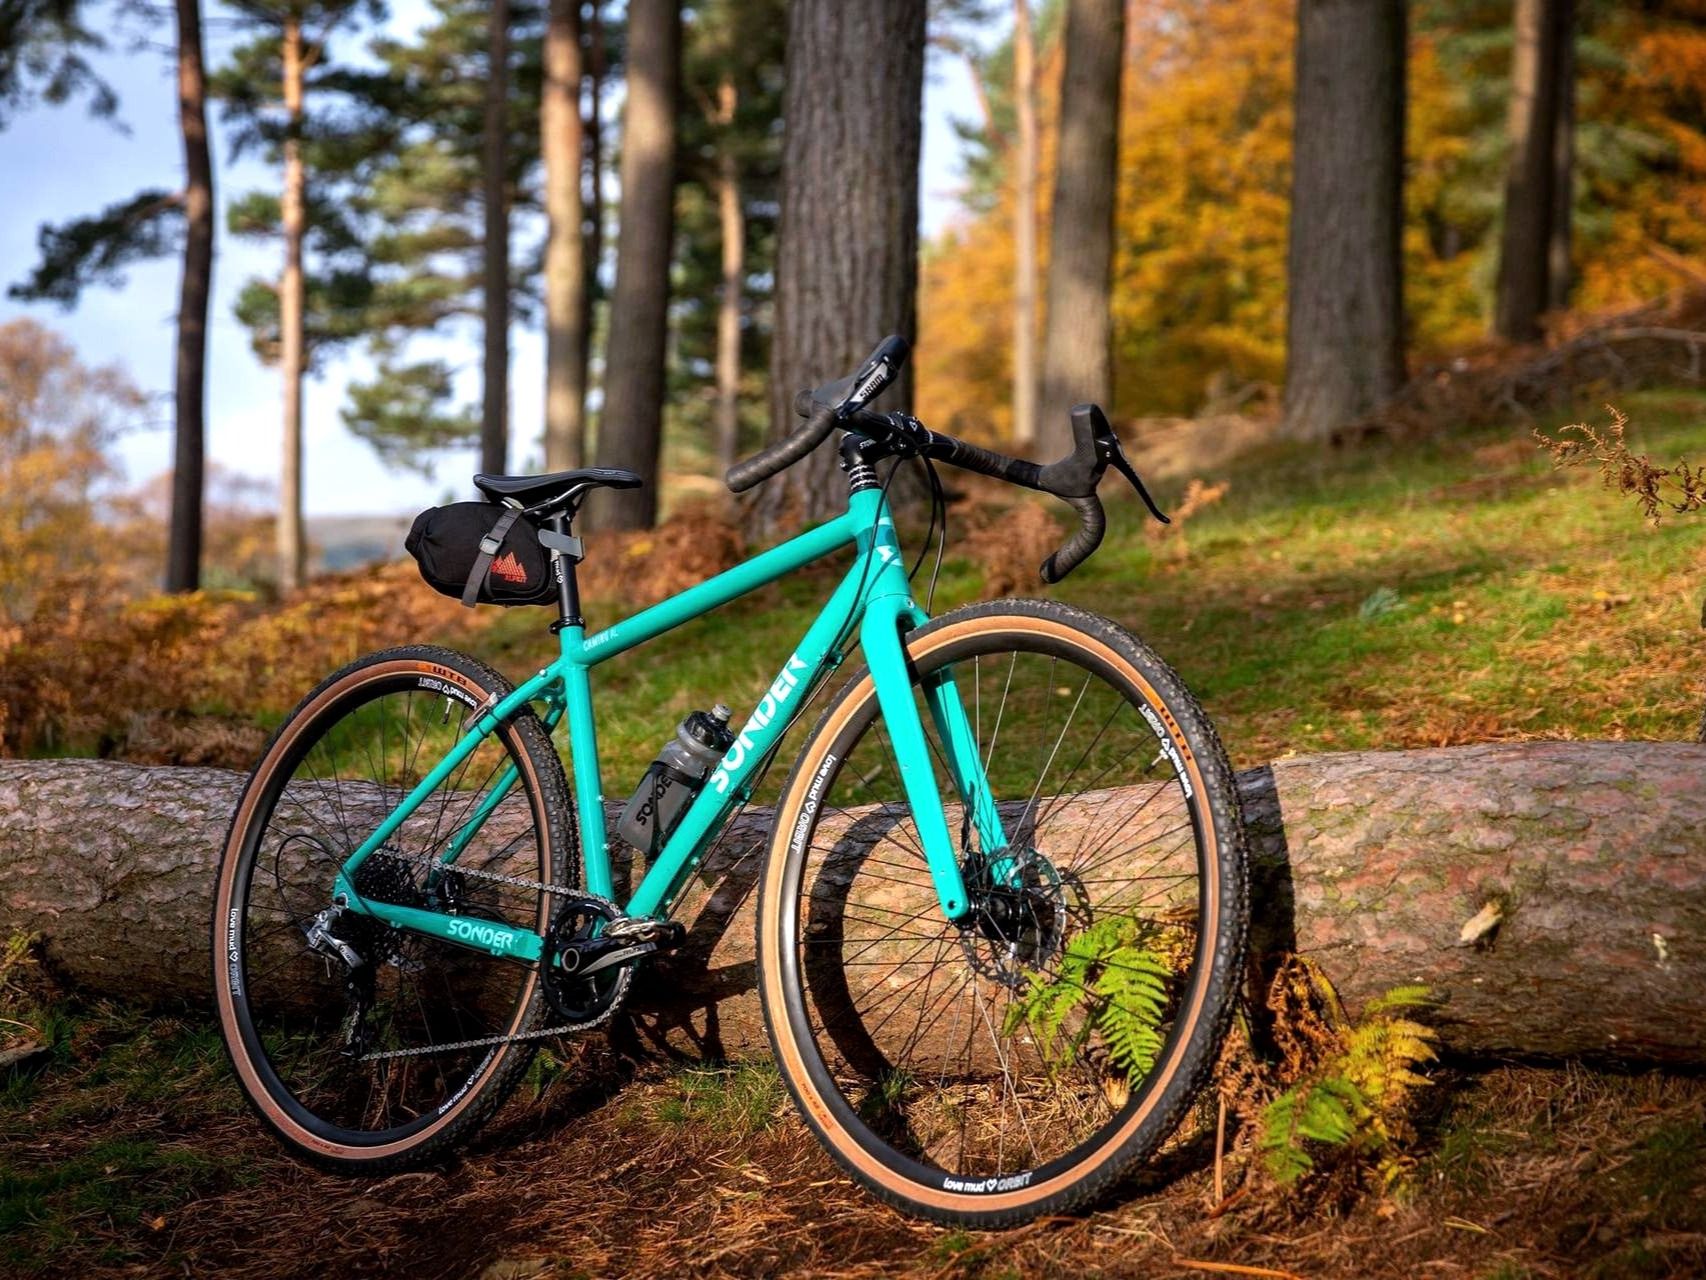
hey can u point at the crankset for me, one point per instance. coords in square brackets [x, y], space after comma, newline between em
[590, 951]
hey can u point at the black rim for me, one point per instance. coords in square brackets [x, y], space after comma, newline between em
[290, 1003]
[931, 972]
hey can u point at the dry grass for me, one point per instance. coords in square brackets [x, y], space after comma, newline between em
[1523, 1172]
[1676, 489]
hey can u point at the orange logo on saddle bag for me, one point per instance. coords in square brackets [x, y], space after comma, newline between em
[509, 568]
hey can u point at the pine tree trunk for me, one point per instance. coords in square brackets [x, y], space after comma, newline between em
[1525, 239]
[1025, 233]
[494, 163]
[1560, 270]
[732, 216]
[1345, 305]
[847, 257]
[292, 552]
[1369, 863]
[1078, 333]
[595, 63]
[560, 144]
[631, 426]
[183, 552]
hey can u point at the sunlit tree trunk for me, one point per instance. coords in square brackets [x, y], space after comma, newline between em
[1525, 243]
[1025, 232]
[732, 218]
[1560, 271]
[1078, 334]
[292, 551]
[595, 64]
[494, 406]
[561, 148]
[183, 554]
[847, 257]
[631, 425]
[1345, 304]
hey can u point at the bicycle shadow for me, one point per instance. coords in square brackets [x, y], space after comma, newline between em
[700, 1003]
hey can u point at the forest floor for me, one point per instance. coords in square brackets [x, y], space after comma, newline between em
[130, 1153]
[1455, 589]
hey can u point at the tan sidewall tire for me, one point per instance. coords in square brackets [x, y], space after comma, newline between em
[260, 1097]
[1113, 1153]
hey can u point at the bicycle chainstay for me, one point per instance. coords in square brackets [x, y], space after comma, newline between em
[518, 882]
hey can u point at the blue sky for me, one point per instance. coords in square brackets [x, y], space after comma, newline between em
[57, 163]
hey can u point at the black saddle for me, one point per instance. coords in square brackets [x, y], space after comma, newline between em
[533, 491]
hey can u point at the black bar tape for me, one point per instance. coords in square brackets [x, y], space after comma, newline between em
[782, 455]
[970, 457]
[1094, 523]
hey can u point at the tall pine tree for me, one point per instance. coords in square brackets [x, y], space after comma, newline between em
[267, 89]
[42, 51]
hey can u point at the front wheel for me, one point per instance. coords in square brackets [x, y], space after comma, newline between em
[1015, 1063]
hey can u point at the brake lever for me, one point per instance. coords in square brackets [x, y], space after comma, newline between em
[1110, 452]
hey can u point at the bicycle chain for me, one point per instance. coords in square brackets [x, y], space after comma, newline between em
[496, 877]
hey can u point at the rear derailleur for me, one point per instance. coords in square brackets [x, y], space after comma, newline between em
[325, 935]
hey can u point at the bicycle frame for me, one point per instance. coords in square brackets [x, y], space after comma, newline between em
[874, 599]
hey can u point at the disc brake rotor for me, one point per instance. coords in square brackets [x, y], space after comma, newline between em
[1021, 909]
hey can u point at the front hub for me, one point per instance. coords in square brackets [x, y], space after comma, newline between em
[1018, 914]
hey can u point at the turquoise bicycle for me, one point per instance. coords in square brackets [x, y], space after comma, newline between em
[1001, 921]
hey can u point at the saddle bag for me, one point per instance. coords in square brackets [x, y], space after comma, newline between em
[482, 553]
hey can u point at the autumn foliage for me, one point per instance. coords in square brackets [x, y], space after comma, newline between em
[1202, 218]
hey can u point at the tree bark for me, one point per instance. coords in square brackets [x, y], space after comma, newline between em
[494, 165]
[189, 381]
[595, 63]
[1078, 326]
[847, 257]
[631, 424]
[1369, 863]
[562, 148]
[292, 550]
[1560, 269]
[1345, 304]
[1525, 238]
[731, 215]
[1025, 231]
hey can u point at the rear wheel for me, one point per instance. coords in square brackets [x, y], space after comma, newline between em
[374, 1049]
[1014, 1066]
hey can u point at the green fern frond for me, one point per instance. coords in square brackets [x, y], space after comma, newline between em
[1407, 997]
[1356, 1095]
[1123, 986]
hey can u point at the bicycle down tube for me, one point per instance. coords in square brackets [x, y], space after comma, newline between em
[874, 597]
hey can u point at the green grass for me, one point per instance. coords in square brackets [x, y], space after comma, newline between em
[734, 1101]
[1382, 596]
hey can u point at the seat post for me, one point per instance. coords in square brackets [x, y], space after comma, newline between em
[565, 565]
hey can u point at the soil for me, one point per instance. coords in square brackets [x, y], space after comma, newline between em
[130, 1154]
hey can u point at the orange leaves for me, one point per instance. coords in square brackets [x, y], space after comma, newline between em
[1202, 223]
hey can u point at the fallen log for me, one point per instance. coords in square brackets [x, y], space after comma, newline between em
[1552, 894]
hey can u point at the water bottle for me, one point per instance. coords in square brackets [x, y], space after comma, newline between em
[674, 778]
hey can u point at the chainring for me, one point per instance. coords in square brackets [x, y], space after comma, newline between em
[582, 1002]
